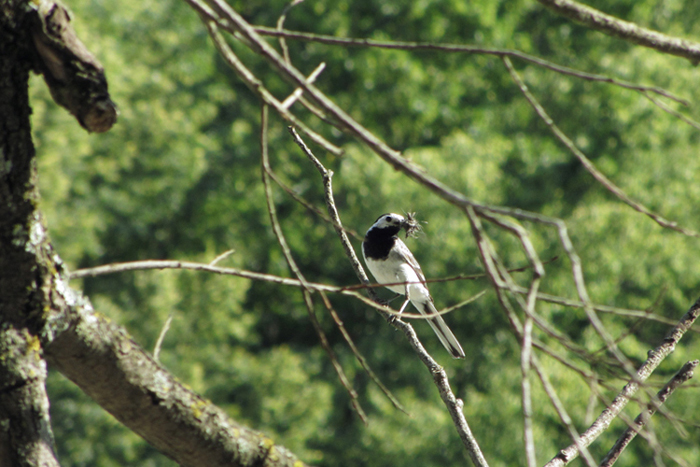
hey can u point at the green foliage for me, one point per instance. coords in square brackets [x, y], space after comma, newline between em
[179, 177]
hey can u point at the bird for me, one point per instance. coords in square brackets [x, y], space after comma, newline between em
[391, 262]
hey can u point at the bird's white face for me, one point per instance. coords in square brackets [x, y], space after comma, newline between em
[389, 220]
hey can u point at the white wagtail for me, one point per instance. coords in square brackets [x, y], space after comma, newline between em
[391, 262]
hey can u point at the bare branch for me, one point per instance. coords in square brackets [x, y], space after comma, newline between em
[624, 29]
[257, 87]
[306, 290]
[454, 406]
[310, 207]
[222, 256]
[671, 111]
[502, 283]
[525, 358]
[467, 49]
[111, 368]
[280, 25]
[333, 210]
[683, 375]
[359, 356]
[293, 97]
[74, 76]
[563, 414]
[655, 357]
[587, 164]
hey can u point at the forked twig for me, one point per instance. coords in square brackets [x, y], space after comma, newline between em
[586, 162]
[306, 291]
[361, 358]
[257, 86]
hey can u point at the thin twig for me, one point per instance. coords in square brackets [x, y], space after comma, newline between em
[306, 290]
[526, 335]
[310, 207]
[297, 94]
[161, 336]
[221, 257]
[333, 211]
[586, 162]
[115, 268]
[469, 49]
[671, 111]
[256, 85]
[294, 96]
[351, 291]
[562, 413]
[359, 356]
[280, 25]
[525, 356]
[683, 375]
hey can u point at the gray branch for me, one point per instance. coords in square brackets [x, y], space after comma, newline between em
[655, 357]
[25, 430]
[683, 375]
[616, 27]
[110, 367]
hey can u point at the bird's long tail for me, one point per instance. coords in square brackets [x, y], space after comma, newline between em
[443, 332]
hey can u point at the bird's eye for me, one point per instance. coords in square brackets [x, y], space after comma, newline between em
[387, 218]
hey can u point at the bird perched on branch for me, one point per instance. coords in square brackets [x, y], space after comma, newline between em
[391, 262]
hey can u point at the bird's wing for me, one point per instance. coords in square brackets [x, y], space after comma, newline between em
[401, 249]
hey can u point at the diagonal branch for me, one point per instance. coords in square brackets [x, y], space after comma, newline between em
[656, 356]
[306, 290]
[454, 405]
[101, 358]
[465, 49]
[683, 375]
[586, 162]
[624, 29]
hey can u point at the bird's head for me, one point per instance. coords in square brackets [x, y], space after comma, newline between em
[395, 222]
[389, 221]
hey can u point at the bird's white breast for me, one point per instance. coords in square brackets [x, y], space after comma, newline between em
[393, 270]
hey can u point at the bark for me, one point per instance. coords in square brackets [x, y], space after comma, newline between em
[25, 432]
